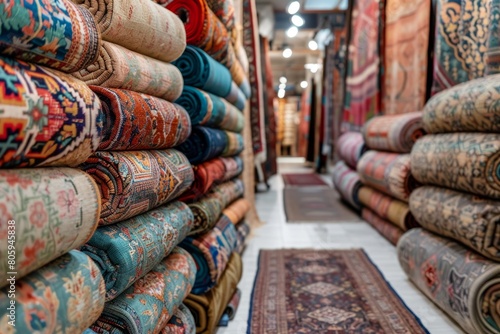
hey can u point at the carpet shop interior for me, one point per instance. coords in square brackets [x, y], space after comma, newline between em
[249, 166]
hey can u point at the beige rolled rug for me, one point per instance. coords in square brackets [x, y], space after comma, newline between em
[139, 25]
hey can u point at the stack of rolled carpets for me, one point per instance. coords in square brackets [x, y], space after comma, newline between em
[182, 322]
[389, 171]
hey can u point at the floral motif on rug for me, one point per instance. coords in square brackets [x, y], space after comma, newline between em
[325, 291]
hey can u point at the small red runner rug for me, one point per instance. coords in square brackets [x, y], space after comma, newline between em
[303, 180]
[325, 291]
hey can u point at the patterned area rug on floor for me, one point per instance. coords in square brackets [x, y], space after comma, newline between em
[303, 180]
[325, 291]
[315, 204]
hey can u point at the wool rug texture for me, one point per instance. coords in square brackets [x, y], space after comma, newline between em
[303, 180]
[406, 58]
[315, 204]
[118, 67]
[233, 165]
[461, 282]
[211, 252]
[467, 42]
[134, 121]
[209, 208]
[470, 220]
[347, 183]
[362, 92]
[394, 133]
[468, 107]
[386, 229]
[60, 35]
[47, 118]
[182, 322]
[207, 309]
[153, 234]
[339, 75]
[232, 306]
[388, 208]
[66, 295]
[235, 144]
[236, 97]
[243, 228]
[389, 173]
[54, 209]
[224, 10]
[325, 291]
[148, 305]
[139, 25]
[463, 161]
[349, 147]
[209, 110]
[237, 210]
[134, 182]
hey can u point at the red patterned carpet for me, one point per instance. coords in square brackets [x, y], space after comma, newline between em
[303, 180]
[325, 291]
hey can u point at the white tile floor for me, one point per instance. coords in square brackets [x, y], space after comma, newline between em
[276, 233]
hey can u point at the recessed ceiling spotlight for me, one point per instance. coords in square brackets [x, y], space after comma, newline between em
[293, 7]
[292, 31]
[313, 45]
[298, 20]
[304, 84]
[287, 53]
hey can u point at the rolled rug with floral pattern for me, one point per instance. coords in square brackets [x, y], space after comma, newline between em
[350, 147]
[64, 296]
[234, 167]
[461, 282]
[388, 230]
[389, 208]
[47, 118]
[210, 110]
[207, 309]
[118, 67]
[205, 176]
[135, 121]
[211, 252]
[182, 322]
[224, 10]
[126, 251]
[139, 25]
[393, 133]
[148, 305]
[49, 211]
[390, 173]
[209, 208]
[469, 162]
[347, 182]
[204, 144]
[134, 182]
[56, 34]
[471, 220]
[243, 228]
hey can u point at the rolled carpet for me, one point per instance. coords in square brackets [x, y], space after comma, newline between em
[235, 144]
[49, 211]
[469, 219]
[224, 10]
[389, 231]
[463, 161]
[389, 208]
[211, 252]
[394, 133]
[209, 110]
[209, 208]
[134, 182]
[205, 176]
[347, 183]
[467, 107]
[135, 121]
[126, 251]
[236, 97]
[148, 305]
[118, 67]
[202, 71]
[47, 118]
[243, 229]
[207, 309]
[461, 282]
[237, 210]
[57, 34]
[234, 167]
[64, 296]
[350, 147]
[139, 25]
[233, 304]
[182, 322]
[390, 173]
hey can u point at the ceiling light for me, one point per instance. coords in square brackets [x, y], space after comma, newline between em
[298, 20]
[292, 31]
[287, 53]
[314, 69]
[313, 45]
[293, 7]
[281, 93]
[283, 80]
[304, 84]
[282, 86]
